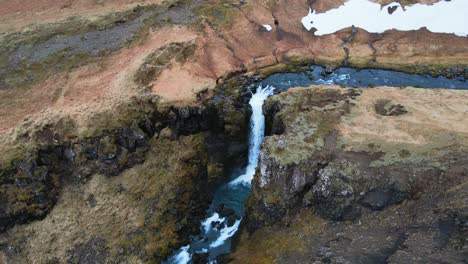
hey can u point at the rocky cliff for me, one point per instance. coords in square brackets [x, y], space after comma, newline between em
[360, 176]
[118, 117]
[131, 193]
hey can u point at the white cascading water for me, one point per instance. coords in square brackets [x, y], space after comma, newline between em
[257, 129]
[217, 237]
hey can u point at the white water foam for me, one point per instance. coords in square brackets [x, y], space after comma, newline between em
[334, 78]
[226, 233]
[257, 129]
[182, 257]
[440, 17]
[207, 223]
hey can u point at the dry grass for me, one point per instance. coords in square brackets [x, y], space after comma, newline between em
[131, 209]
[266, 244]
[436, 120]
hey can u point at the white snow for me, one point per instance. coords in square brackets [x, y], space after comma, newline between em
[268, 27]
[440, 17]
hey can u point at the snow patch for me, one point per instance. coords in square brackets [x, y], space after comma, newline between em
[268, 27]
[440, 17]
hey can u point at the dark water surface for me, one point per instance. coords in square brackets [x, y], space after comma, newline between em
[232, 196]
[360, 78]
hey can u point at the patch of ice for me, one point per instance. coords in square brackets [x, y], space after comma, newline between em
[440, 17]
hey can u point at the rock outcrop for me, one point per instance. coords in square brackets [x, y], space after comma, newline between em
[345, 184]
[117, 117]
[132, 193]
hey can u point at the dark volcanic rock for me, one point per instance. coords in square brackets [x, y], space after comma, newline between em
[285, 177]
[343, 185]
[231, 220]
[227, 212]
[219, 208]
[200, 258]
[29, 188]
[336, 191]
[392, 9]
[92, 252]
[381, 198]
[387, 108]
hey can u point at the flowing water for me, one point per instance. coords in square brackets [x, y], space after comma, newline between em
[216, 230]
[351, 77]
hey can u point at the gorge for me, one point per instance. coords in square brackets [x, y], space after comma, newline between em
[232, 131]
[216, 231]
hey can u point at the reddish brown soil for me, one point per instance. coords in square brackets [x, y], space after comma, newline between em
[15, 14]
[239, 46]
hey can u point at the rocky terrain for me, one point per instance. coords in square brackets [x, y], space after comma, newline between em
[360, 176]
[117, 119]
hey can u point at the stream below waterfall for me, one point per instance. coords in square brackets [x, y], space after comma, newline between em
[227, 208]
[223, 222]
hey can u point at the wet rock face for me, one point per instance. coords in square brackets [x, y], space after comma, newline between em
[317, 174]
[282, 183]
[334, 193]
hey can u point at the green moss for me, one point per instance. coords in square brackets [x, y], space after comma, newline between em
[234, 123]
[438, 69]
[165, 186]
[162, 58]
[108, 145]
[121, 115]
[268, 244]
[215, 172]
[26, 73]
[309, 116]
[3, 59]
[218, 13]
[273, 195]
[404, 153]
[293, 66]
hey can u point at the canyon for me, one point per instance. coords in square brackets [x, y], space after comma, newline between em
[122, 123]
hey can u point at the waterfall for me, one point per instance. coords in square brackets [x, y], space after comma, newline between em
[257, 129]
[215, 230]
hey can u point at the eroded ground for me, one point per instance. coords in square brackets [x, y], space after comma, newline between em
[54, 79]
